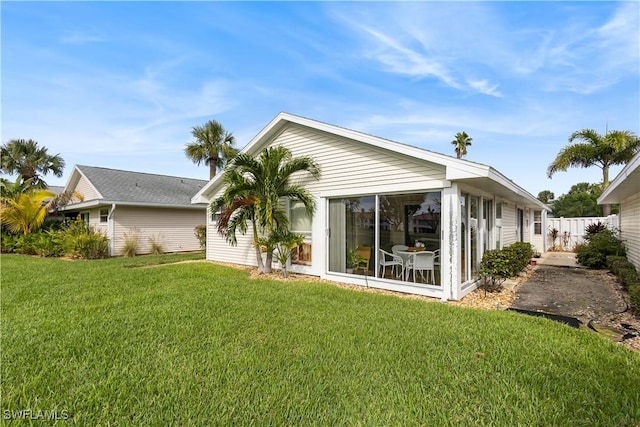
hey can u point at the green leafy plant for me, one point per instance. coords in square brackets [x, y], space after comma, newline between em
[353, 260]
[286, 241]
[627, 274]
[82, 241]
[130, 244]
[499, 265]
[597, 247]
[201, 234]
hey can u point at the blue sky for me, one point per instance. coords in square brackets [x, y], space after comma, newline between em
[120, 84]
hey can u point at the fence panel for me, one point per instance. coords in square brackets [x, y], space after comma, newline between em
[571, 231]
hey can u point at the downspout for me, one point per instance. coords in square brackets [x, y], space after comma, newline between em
[111, 230]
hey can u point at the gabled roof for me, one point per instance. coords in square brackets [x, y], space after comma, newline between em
[456, 169]
[626, 184]
[134, 188]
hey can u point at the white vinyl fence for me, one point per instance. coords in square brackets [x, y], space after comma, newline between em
[571, 230]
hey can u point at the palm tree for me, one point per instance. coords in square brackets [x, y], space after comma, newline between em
[614, 148]
[25, 212]
[461, 143]
[254, 190]
[26, 158]
[213, 146]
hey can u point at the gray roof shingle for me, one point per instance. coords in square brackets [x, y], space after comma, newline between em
[143, 188]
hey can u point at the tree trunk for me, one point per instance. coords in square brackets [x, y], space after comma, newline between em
[606, 209]
[213, 166]
[268, 263]
[284, 272]
[259, 259]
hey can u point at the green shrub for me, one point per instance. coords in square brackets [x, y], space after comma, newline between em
[498, 265]
[594, 253]
[8, 243]
[48, 243]
[634, 297]
[201, 234]
[25, 244]
[615, 263]
[83, 241]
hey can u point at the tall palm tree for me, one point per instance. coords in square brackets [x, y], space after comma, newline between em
[213, 146]
[461, 143]
[254, 189]
[26, 158]
[614, 148]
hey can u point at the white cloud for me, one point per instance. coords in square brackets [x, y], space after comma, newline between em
[483, 86]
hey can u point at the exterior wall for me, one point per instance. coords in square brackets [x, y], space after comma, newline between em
[347, 168]
[630, 227]
[174, 227]
[86, 189]
[509, 228]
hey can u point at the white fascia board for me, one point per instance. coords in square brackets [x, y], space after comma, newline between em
[96, 203]
[629, 172]
[506, 182]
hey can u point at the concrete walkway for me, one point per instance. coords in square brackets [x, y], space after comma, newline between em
[559, 259]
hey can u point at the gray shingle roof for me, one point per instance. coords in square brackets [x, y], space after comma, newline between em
[143, 188]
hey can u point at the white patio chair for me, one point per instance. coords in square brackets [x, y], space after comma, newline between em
[397, 248]
[421, 261]
[387, 259]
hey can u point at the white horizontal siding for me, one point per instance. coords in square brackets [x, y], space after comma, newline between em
[509, 229]
[354, 167]
[175, 228]
[630, 227]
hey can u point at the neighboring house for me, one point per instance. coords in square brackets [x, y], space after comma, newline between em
[625, 190]
[376, 194]
[123, 203]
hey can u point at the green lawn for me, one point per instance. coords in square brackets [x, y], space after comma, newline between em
[110, 343]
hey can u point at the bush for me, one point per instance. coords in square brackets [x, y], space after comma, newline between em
[594, 228]
[48, 243]
[130, 247]
[201, 234]
[598, 246]
[499, 265]
[8, 243]
[83, 241]
[628, 276]
[157, 247]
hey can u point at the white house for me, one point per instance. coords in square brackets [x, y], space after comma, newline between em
[152, 206]
[625, 190]
[375, 194]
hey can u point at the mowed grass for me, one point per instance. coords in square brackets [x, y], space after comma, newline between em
[201, 344]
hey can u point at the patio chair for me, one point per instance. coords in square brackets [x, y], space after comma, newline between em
[387, 259]
[421, 261]
[397, 248]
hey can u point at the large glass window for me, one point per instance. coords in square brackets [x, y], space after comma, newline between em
[300, 222]
[411, 221]
[537, 222]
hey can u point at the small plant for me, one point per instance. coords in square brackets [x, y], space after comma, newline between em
[594, 228]
[353, 260]
[286, 241]
[130, 246]
[201, 235]
[157, 247]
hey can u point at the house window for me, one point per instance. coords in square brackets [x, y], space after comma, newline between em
[537, 222]
[498, 225]
[301, 224]
[363, 230]
[84, 216]
[104, 215]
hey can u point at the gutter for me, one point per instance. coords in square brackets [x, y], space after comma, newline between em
[111, 229]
